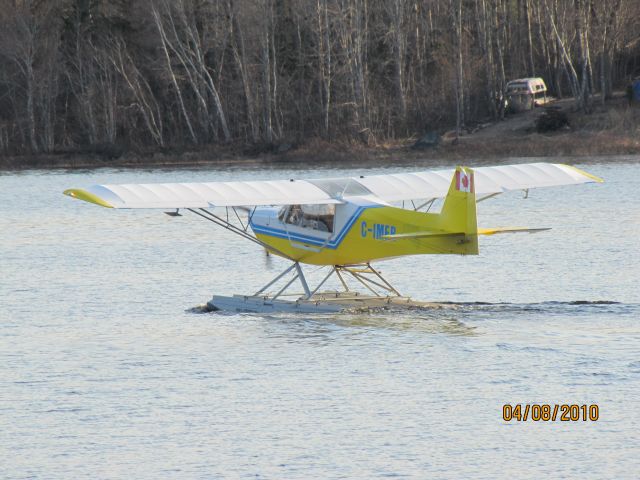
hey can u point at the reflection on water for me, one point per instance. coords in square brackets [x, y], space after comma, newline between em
[390, 320]
[446, 318]
[106, 371]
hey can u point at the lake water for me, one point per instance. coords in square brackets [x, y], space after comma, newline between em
[106, 373]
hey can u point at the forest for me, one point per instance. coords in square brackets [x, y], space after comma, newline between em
[150, 75]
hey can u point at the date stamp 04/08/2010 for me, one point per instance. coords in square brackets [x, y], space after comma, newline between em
[545, 412]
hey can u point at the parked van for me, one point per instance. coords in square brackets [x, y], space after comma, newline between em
[526, 93]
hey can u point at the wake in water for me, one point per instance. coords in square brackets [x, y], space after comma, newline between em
[551, 307]
[449, 318]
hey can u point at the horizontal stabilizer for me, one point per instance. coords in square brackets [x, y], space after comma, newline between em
[400, 236]
[493, 231]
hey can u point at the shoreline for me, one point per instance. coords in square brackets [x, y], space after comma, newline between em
[467, 150]
[609, 130]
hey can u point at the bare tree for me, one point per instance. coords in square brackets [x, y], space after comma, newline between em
[396, 10]
[237, 43]
[456, 20]
[20, 28]
[165, 73]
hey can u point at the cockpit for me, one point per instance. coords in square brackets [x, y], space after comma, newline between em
[315, 217]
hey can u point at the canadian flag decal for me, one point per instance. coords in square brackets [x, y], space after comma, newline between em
[464, 182]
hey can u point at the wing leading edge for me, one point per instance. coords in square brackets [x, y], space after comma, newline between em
[384, 188]
[203, 195]
[488, 181]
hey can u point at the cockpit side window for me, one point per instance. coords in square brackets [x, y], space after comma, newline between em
[283, 212]
[315, 217]
[294, 215]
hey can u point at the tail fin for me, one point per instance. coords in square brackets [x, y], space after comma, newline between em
[455, 228]
[459, 209]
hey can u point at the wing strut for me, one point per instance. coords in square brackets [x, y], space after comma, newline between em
[207, 215]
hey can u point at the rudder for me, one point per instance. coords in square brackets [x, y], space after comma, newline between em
[455, 229]
[459, 209]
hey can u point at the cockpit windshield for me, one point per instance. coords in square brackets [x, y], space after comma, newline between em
[314, 217]
[341, 187]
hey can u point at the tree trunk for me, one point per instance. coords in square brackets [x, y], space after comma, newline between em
[456, 17]
[527, 14]
[172, 76]
[266, 76]
[397, 15]
[31, 117]
[240, 56]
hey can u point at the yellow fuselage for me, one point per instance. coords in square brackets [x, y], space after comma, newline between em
[365, 237]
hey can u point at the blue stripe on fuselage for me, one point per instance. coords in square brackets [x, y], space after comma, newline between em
[279, 233]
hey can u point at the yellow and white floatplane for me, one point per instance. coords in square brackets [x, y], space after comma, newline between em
[343, 224]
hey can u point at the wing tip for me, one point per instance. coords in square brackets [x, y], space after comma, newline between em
[586, 174]
[80, 194]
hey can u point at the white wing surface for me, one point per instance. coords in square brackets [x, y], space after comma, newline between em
[204, 195]
[384, 188]
[488, 180]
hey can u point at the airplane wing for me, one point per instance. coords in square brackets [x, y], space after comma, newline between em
[488, 181]
[204, 195]
[381, 188]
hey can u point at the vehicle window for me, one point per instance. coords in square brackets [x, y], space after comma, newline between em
[294, 215]
[314, 217]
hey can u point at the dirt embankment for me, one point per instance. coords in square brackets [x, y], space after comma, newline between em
[610, 129]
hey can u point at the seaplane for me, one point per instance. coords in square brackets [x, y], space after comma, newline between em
[344, 224]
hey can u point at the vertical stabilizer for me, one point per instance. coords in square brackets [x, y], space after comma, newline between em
[459, 210]
[452, 231]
